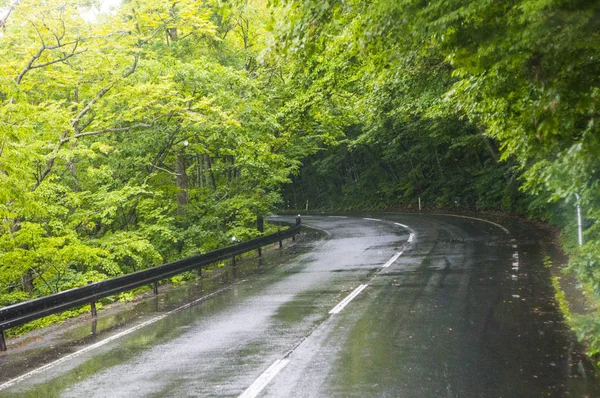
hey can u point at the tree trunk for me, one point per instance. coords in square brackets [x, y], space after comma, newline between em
[491, 146]
[182, 183]
[199, 179]
[27, 281]
[211, 175]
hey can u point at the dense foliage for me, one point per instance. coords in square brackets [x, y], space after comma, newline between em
[133, 137]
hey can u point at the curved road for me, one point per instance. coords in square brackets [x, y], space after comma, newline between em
[398, 306]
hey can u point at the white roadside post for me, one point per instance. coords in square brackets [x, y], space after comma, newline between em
[579, 227]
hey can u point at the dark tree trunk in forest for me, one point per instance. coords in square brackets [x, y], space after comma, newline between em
[199, 164]
[491, 146]
[27, 281]
[211, 175]
[182, 183]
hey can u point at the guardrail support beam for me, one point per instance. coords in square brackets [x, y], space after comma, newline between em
[2, 341]
[93, 308]
[155, 288]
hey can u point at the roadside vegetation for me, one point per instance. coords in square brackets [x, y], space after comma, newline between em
[160, 129]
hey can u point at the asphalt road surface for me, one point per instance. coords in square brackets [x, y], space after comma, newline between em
[388, 306]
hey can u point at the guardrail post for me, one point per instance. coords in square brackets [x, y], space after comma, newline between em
[298, 222]
[233, 261]
[155, 288]
[260, 225]
[93, 305]
[2, 341]
[94, 311]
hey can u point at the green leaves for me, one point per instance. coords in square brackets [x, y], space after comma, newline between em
[149, 134]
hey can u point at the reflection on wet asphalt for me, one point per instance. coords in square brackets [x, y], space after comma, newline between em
[467, 310]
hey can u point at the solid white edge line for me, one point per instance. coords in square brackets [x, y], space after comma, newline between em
[371, 219]
[347, 300]
[391, 260]
[50, 365]
[506, 231]
[264, 379]
[411, 237]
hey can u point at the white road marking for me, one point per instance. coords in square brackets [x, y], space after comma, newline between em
[264, 379]
[337, 217]
[411, 237]
[347, 300]
[371, 219]
[506, 231]
[391, 261]
[76, 354]
[515, 263]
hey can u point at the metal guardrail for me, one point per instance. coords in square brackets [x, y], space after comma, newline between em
[21, 313]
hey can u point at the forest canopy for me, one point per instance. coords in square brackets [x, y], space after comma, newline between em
[152, 132]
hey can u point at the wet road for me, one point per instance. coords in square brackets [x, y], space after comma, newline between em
[394, 305]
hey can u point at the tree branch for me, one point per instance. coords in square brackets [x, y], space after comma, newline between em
[84, 111]
[10, 10]
[31, 66]
[112, 130]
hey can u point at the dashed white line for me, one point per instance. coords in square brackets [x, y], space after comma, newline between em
[264, 379]
[16, 380]
[347, 300]
[371, 219]
[411, 237]
[337, 217]
[392, 260]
